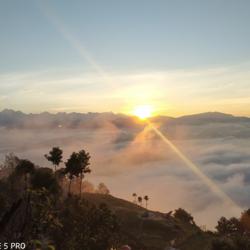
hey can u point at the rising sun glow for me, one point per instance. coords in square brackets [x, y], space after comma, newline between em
[143, 112]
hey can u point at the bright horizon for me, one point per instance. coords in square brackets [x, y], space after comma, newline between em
[179, 59]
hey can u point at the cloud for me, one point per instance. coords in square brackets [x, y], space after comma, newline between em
[130, 159]
[170, 91]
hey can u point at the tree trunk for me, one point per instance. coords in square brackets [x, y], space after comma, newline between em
[81, 185]
[55, 167]
[25, 181]
[70, 180]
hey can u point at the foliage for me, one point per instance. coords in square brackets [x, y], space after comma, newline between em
[183, 216]
[102, 189]
[86, 226]
[77, 166]
[44, 178]
[222, 244]
[55, 156]
[43, 213]
[9, 164]
[229, 227]
[245, 220]
[146, 198]
[33, 209]
[24, 167]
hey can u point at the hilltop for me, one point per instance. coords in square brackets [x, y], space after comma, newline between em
[143, 229]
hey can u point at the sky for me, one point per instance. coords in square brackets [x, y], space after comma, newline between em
[181, 57]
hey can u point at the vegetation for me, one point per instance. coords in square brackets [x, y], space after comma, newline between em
[77, 166]
[46, 209]
[55, 156]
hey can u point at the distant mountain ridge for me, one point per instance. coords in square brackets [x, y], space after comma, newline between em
[17, 119]
[214, 122]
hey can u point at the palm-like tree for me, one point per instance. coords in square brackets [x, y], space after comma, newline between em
[55, 156]
[146, 198]
[140, 200]
[134, 195]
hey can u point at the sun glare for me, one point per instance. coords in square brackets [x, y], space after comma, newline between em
[143, 112]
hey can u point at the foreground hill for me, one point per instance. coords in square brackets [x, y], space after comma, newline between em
[144, 229]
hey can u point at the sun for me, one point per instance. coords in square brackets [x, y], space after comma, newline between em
[143, 111]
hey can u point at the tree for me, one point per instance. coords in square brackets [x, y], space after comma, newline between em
[245, 220]
[7, 169]
[84, 163]
[140, 200]
[24, 168]
[77, 166]
[9, 165]
[102, 189]
[86, 226]
[146, 198]
[135, 196]
[183, 215]
[229, 227]
[44, 178]
[55, 156]
[72, 169]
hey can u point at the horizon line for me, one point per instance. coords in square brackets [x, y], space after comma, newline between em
[119, 113]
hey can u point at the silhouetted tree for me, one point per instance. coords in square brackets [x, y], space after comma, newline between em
[84, 163]
[86, 226]
[7, 170]
[9, 164]
[183, 215]
[25, 168]
[135, 196]
[146, 198]
[77, 166]
[229, 227]
[72, 168]
[140, 200]
[55, 156]
[44, 178]
[60, 174]
[102, 189]
[245, 220]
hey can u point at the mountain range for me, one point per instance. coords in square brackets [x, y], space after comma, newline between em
[208, 125]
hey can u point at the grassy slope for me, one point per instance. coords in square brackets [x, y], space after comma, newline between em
[154, 232]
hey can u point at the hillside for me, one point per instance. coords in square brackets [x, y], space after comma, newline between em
[151, 230]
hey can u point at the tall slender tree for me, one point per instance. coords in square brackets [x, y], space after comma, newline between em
[140, 200]
[134, 196]
[84, 163]
[146, 198]
[72, 168]
[55, 156]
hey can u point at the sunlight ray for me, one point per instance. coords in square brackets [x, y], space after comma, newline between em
[196, 170]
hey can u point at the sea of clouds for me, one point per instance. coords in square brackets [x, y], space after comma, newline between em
[136, 160]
